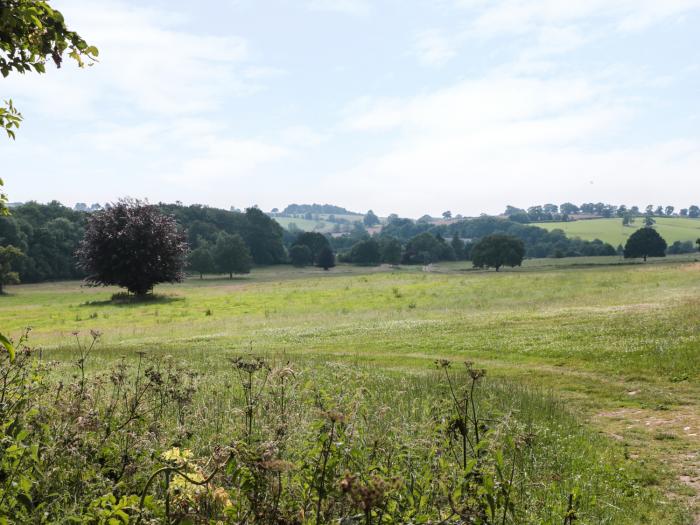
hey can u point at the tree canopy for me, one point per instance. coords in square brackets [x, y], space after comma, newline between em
[366, 252]
[370, 219]
[201, 260]
[9, 256]
[300, 255]
[132, 245]
[326, 258]
[645, 242]
[495, 251]
[391, 250]
[315, 242]
[231, 255]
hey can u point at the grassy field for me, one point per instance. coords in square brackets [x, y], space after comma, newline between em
[612, 231]
[305, 224]
[607, 354]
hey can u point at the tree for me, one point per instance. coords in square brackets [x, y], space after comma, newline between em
[231, 254]
[263, 236]
[510, 210]
[423, 248]
[201, 260]
[9, 255]
[366, 252]
[447, 215]
[300, 255]
[649, 221]
[458, 247]
[326, 258]
[684, 212]
[645, 242]
[698, 243]
[315, 241]
[693, 212]
[133, 245]
[498, 250]
[569, 208]
[391, 250]
[370, 219]
[521, 216]
[669, 210]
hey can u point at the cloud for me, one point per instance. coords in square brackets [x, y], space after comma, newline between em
[349, 7]
[303, 137]
[433, 48]
[150, 63]
[230, 161]
[522, 16]
[471, 104]
[510, 138]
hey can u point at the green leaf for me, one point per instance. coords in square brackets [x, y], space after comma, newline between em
[4, 341]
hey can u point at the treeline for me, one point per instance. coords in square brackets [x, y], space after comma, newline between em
[405, 241]
[222, 241]
[568, 211]
[49, 234]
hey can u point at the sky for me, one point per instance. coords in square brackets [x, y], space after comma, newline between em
[400, 106]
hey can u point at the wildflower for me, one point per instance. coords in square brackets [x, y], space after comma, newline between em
[177, 456]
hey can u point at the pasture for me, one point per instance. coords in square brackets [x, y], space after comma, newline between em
[612, 231]
[601, 363]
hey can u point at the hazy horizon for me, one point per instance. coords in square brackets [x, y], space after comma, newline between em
[400, 107]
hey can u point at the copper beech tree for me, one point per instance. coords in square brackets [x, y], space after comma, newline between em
[133, 245]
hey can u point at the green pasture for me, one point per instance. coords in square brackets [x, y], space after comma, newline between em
[612, 231]
[615, 345]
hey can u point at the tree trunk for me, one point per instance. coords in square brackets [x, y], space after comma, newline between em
[230, 275]
[1, 292]
[645, 258]
[201, 275]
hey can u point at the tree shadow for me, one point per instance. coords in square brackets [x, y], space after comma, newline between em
[126, 299]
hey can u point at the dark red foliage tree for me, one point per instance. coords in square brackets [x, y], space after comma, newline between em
[133, 245]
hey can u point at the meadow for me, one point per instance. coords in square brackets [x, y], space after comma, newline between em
[612, 231]
[594, 361]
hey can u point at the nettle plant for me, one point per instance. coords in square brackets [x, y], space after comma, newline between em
[149, 441]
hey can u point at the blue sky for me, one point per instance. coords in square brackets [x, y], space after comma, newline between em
[401, 106]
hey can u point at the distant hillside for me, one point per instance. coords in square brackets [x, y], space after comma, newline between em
[298, 209]
[612, 231]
